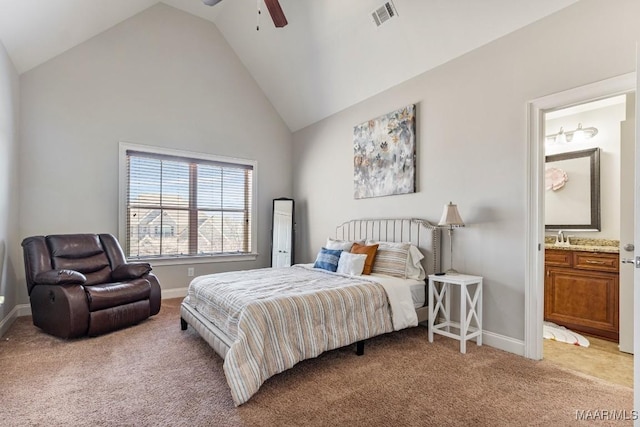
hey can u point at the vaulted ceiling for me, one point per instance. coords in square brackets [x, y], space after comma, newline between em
[329, 57]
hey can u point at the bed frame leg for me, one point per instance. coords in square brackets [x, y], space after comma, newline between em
[183, 324]
[360, 348]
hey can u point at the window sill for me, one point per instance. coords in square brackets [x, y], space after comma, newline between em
[196, 259]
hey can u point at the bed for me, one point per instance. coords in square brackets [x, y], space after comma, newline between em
[264, 321]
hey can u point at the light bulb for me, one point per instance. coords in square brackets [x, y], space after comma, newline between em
[560, 137]
[579, 135]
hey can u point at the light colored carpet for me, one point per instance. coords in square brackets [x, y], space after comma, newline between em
[155, 374]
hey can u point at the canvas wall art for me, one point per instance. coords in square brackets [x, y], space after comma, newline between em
[384, 155]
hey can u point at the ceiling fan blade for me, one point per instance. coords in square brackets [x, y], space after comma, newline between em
[279, 20]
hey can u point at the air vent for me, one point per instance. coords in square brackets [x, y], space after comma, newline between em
[384, 13]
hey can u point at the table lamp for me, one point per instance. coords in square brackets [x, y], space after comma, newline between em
[450, 219]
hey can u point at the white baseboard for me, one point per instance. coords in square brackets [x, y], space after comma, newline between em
[503, 342]
[174, 293]
[24, 309]
[17, 311]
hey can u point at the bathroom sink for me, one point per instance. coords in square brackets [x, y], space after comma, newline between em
[584, 248]
[581, 243]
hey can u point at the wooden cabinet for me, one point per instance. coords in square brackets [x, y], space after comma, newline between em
[581, 291]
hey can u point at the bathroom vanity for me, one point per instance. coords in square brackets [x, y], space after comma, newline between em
[582, 286]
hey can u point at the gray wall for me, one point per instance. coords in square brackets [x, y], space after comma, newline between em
[472, 144]
[9, 98]
[162, 78]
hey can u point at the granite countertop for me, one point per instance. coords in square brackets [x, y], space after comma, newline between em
[584, 244]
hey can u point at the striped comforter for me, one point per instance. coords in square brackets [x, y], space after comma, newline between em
[279, 317]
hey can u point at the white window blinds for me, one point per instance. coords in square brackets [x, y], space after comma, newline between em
[186, 206]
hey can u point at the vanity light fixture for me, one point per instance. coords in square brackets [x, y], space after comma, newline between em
[450, 219]
[579, 134]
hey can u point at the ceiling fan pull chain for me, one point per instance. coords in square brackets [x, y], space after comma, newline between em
[258, 17]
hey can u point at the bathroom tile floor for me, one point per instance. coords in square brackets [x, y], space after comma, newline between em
[601, 359]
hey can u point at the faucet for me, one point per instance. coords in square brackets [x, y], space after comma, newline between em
[561, 239]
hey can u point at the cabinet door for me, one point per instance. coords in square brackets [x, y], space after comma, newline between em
[595, 261]
[585, 301]
[558, 258]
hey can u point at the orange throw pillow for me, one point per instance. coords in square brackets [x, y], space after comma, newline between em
[369, 251]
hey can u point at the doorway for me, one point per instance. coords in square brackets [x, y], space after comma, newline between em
[535, 271]
[586, 148]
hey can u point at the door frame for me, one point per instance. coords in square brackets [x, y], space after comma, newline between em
[534, 240]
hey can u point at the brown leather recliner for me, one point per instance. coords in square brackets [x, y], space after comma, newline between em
[81, 284]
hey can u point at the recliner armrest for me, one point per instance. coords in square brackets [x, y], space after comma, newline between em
[60, 277]
[130, 271]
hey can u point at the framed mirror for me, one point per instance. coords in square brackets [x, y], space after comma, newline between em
[282, 230]
[572, 191]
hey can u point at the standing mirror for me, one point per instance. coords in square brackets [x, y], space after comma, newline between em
[282, 233]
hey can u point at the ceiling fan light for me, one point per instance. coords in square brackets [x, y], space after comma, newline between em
[211, 2]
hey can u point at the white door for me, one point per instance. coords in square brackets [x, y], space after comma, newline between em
[627, 161]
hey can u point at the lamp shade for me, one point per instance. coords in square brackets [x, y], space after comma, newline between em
[579, 134]
[561, 138]
[451, 216]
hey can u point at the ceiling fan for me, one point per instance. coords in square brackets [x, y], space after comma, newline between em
[279, 20]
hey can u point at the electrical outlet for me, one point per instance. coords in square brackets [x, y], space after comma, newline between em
[190, 272]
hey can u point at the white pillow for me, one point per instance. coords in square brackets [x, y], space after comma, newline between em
[352, 264]
[414, 266]
[343, 245]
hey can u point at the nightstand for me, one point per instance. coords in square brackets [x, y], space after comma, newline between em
[470, 308]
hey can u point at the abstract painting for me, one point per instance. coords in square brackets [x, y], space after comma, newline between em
[384, 155]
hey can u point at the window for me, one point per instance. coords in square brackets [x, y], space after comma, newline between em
[179, 204]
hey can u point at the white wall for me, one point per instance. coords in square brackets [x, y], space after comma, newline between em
[472, 146]
[607, 121]
[162, 78]
[9, 99]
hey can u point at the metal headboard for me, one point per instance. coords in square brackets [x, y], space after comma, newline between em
[421, 233]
